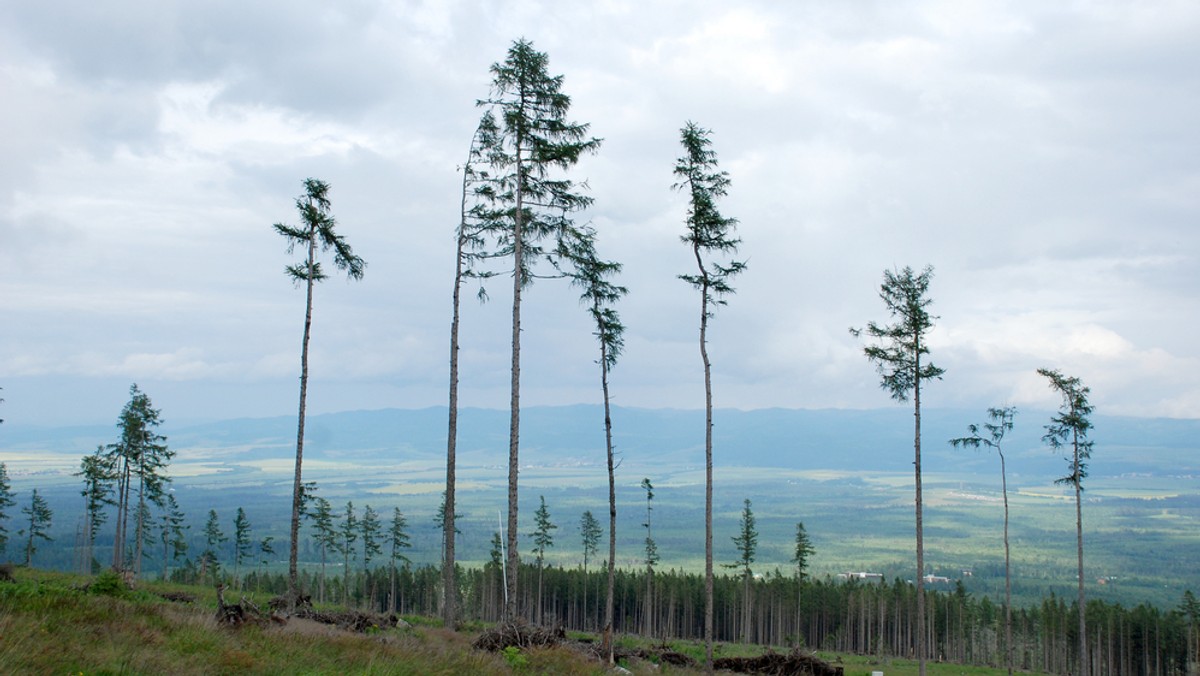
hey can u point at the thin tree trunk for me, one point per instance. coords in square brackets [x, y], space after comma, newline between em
[141, 517]
[297, 485]
[920, 525]
[392, 584]
[449, 583]
[321, 593]
[1008, 645]
[612, 510]
[1083, 651]
[122, 507]
[708, 465]
[514, 428]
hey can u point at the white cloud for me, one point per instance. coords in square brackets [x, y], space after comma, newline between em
[1040, 157]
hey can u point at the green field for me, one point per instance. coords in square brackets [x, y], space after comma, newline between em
[1141, 512]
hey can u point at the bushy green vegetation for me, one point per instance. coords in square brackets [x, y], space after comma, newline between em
[57, 623]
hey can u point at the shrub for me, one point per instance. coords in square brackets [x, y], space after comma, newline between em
[108, 583]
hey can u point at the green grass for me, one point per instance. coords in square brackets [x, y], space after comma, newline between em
[49, 623]
[858, 665]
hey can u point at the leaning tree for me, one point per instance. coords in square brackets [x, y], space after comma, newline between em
[1001, 423]
[588, 272]
[478, 199]
[316, 231]
[533, 146]
[897, 357]
[709, 234]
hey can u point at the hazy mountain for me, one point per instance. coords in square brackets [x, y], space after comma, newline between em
[877, 439]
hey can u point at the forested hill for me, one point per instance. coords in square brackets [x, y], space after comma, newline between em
[836, 439]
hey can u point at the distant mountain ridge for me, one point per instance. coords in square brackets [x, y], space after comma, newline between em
[838, 439]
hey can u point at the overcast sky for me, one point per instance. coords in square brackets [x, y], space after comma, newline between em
[1044, 158]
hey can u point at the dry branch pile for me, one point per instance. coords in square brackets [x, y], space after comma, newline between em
[519, 634]
[240, 613]
[664, 655]
[178, 597]
[350, 620]
[795, 663]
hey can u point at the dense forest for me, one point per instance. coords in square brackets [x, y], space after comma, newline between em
[864, 617]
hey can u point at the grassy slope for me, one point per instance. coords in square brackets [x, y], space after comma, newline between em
[48, 624]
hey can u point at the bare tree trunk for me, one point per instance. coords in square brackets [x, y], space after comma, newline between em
[612, 510]
[297, 485]
[747, 606]
[122, 510]
[708, 476]
[1008, 646]
[1083, 647]
[920, 524]
[514, 428]
[139, 524]
[449, 583]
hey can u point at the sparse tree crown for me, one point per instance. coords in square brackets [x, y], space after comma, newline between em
[905, 294]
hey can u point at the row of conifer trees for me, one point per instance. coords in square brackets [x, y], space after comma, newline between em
[871, 618]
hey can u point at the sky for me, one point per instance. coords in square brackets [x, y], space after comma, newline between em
[1041, 157]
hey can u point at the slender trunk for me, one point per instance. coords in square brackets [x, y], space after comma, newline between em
[321, 594]
[539, 592]
[122, 505]
[29, 543]
[297, 485]
[139, 521]
[392, 580]
[746, 607]
[648, 624]
[514, 428]
[346, 577]
[708, 465]
[449, 583]
[1008, 646]
[1083, 652]
[612, 509]
[920, 524]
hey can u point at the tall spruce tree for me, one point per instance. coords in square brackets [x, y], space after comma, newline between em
[651, 558]
[316, 231]
[1001, 423]
[477, 196]
[266, 549]
[325, 536]
[6, 502]
[97, 492]
[1068, 430]
[593, 276]
[898, 360]
[398, 540]
[174, 543]
[214, 537]
[802, 550]
[709, 234]
[369, 529]
[746, 542]
[542, 540]
[138, 464]
[243, 544]
[590, 532]
[38, 525]
[347, 536]
[534, 145]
